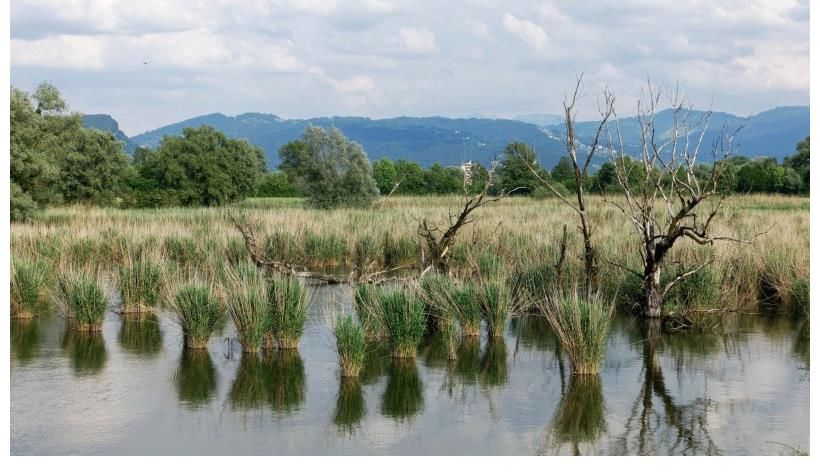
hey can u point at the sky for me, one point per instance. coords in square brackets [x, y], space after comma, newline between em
[155, 62]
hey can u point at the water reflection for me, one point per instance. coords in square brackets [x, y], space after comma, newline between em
[532, 333]
[403, 396]
[350, 405]
[656, 421]
[141, 337]
[250, 386]
[195, 378]
[86, 350]
[376, 362]
[580, 417]
[468, 359]
[494, 363]
[802, 346]
[25, 339]
[435, 351]
[286, 385]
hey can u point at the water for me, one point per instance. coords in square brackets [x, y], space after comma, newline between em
[132, 390]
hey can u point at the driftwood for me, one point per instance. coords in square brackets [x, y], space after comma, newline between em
[258, 257]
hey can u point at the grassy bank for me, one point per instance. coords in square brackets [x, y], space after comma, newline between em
[524, 233]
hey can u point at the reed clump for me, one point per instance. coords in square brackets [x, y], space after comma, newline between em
[287, 310]
[367, 302]
[84, 297]
[582, 322]
[350, 344]
[140, 285]
[28, 281]
[247, 304]
[403, 313]
[198, 312]
[494, 297]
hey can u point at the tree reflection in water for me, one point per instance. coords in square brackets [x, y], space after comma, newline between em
[656, 421]
[86, 350]
[403, 397]
[195, 377]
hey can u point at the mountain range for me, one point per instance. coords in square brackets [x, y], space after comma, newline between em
[426, 140]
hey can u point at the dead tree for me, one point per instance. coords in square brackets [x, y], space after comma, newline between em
[580, 167]
[439, 239]
[664, 205]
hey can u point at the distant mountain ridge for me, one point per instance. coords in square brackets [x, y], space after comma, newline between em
[426, 140]
[106, 123]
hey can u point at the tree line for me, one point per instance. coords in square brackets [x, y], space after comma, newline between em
[56, 160]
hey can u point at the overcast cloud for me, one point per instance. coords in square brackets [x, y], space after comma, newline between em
[307, 58]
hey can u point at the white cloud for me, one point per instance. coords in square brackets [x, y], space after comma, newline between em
[358, 84]
[531, 33]
[418, 40]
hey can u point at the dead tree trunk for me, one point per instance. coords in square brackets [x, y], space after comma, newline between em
[581, 173]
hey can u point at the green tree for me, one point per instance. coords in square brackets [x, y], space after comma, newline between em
[441, 180]
[412, 178]
[292, 162]
[201, 167]
[385, 174]
[336, 171]
[518, 168]
[276, 184]
[94, 171]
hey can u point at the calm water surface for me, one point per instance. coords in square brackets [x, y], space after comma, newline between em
[132, 390]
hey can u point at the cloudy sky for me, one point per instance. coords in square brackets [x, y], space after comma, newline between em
[378, 58]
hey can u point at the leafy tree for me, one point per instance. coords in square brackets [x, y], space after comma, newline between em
[292, 157]
[276, 184]
[412, 178]
[441, 180]
[385, 174]
[95, 170]
[55, 159]
[202, 167]
[479, 175]
[799, 162]
[516, 169]
[336, 170]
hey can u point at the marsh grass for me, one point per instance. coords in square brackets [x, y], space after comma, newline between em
[367, 301]
[582, 323]
[246, 301]
[436, 291]
[83, 296]
[140, 285]
[350, 344]
[494, 297]
[403, 313]
[198, 311]
[28, 281]
[287, 310]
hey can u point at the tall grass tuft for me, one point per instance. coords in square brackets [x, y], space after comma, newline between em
[494, 297]
[247, 304]
[350, 343]
[198, 312]
[28, 280]
[367, 300]
[140, 285]
[287, 309]
[403, 313]
[437, 291]
[467, 309]
[84, 298]
[582, 324]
